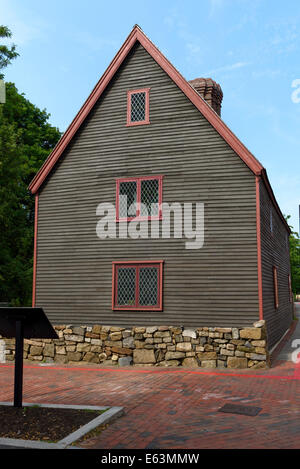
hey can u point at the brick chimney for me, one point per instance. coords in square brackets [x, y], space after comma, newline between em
[210, 91]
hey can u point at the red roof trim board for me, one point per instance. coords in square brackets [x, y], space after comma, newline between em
[212, 117]
[36, 213]
[258, 237]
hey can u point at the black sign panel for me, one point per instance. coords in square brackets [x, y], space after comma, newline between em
[28, 323]
[35, 323]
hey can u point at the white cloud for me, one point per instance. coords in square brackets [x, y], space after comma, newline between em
[228, 68]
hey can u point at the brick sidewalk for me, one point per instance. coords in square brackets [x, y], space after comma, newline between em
[171, 408]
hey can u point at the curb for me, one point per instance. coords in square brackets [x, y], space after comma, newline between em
[110, 414]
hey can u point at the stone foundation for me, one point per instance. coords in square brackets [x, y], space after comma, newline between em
[2, 351]
[206, 347]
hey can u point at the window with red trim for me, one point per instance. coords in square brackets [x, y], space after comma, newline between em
[275, 280]
[137, 285]
[290, 289]
[138, 107]
[139, 198]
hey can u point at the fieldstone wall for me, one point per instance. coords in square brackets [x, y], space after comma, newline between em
[206, 347]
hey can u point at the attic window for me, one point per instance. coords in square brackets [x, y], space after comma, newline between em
[138, 107]
[137, 285]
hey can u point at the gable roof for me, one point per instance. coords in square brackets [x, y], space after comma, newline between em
[137, 35]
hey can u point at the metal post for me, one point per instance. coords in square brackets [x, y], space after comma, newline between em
[19, 364]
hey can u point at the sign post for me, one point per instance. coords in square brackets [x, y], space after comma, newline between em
[29, 323]
[18, 389]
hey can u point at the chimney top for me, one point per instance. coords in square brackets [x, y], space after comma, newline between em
[210, 91]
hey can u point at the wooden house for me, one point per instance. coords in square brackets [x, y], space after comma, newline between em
[149, 134]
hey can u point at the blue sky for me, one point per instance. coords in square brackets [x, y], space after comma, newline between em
[252, 48]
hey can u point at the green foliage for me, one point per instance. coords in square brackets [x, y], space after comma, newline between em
[26, 138]
[6, 54]
[295, 259]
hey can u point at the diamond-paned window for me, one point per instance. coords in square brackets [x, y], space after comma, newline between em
[139, 198]
[137, 285]
[138, 107]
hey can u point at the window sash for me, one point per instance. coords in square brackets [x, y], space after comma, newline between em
[130, 97]
[142, 270]
[148, 285]
[150, 197]
[126, 286]
[141, 193]
[131, 195]
[138, 107]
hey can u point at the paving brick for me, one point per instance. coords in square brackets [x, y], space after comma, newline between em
[170, 408]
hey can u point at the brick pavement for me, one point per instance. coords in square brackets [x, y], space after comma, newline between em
[171, 408]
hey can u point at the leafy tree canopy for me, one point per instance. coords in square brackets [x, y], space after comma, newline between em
[295, 259]
[6, 54]
[26, 138]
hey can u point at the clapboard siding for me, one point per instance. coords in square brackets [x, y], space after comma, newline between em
[215, 285]
[275, 252]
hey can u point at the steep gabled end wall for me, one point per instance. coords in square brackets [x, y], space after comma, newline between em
[215, 285]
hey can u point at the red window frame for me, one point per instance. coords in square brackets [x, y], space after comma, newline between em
[138, 181]
[275, 280]
[147, 120]
[137, 264]
[290, 289]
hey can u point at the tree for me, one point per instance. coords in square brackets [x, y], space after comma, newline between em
[295, 260]
[6, 54]
[26, 138]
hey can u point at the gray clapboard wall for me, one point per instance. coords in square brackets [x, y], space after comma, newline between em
[275, 252]
[215, 285]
